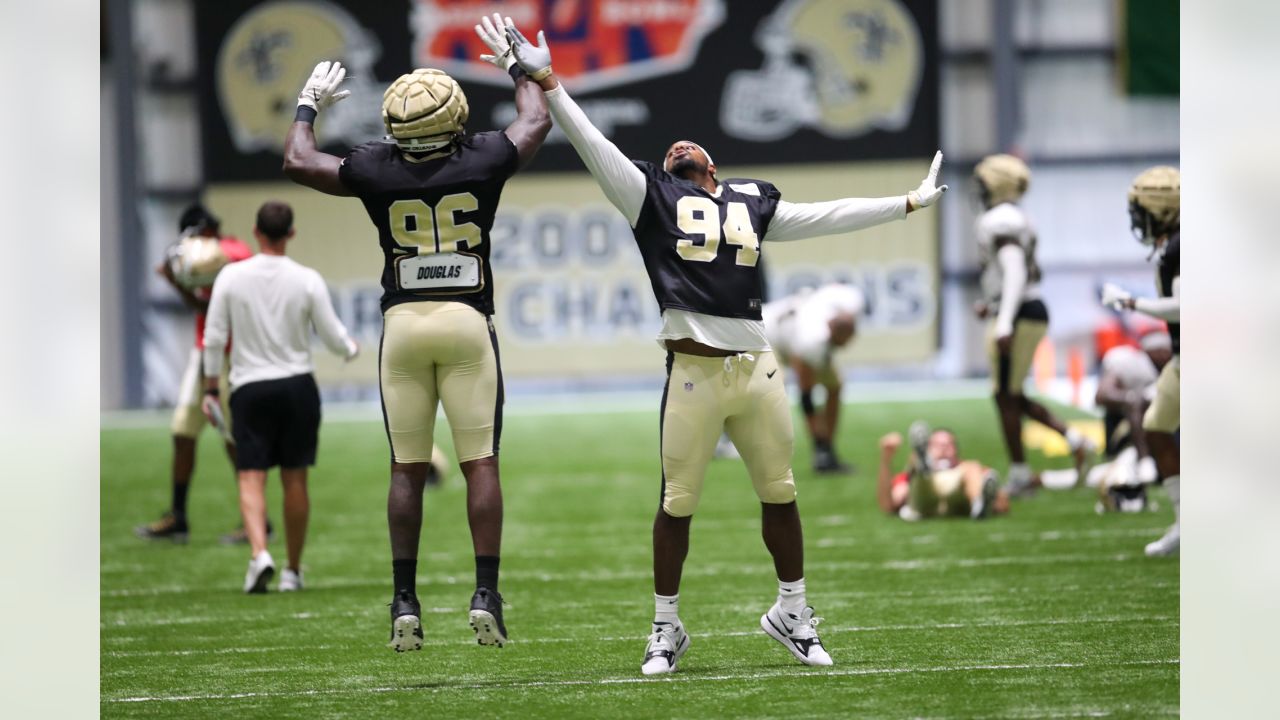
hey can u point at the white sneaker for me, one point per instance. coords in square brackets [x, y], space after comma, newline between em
[261, 568]
[667, 644]
[290, 581]
[1167, 544]
[796, 633]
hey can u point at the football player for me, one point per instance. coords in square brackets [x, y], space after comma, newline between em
[806, 330]
[1010, 283]
[1155, 218]
[936, 482]
[432, 190]
[699, 237]
[208, 252]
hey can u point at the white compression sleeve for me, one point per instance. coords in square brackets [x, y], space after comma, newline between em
[1013, 263]
[622, 182]
[798, 221]
[1165, 308]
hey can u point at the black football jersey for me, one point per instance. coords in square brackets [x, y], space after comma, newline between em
[702, 250]
[1166, 273]
[433, 217]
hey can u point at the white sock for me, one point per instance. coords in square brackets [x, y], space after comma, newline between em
[1019, 473]
[666, 608]
[1074, 438]
[1171, 487]
[791, 596]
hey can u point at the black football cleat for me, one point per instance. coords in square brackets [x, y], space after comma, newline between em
[486, 617]
[406, 623]
[826, 462]
[168, 527]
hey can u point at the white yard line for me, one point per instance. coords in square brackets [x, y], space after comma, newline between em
[791, 673]
[1050, 622]
[703, 570]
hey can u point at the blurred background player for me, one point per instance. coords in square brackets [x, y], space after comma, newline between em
[1010, 283]
[190, 268]
[432, 194]
[271, 303]
[936, 482]
[1155, 218]
[1126, 386]
[721, 372]
[806, 330]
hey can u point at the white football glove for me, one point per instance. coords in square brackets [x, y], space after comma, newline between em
[1115, 297]
[321, 90]
[533, 59]
[496, 40]
[928, 192]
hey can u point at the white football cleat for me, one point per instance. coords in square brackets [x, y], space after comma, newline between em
[797, 634]
[1167, 544]
[290, 581]
[261, 568]
[667, 644]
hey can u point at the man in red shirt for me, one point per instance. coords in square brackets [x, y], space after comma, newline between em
[188, 420]
[936, 482]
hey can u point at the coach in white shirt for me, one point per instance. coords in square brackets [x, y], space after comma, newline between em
[271, 303]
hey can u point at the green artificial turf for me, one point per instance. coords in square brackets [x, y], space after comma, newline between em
[1050, 612]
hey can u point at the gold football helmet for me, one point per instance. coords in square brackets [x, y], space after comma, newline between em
[1155, 203]
[196, 260]
[1001, 178]
[424, 110]
[266, 58]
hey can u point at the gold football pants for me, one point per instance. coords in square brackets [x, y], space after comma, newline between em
[436, 353]
[742, 395]
[1163, 413]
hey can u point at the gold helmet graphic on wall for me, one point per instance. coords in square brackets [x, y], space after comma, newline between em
[265, 60]
[860, 70]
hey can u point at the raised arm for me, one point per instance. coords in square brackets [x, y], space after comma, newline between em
[532, 122]
[889, 445]
[303, 161]
[798, 221]
[622, 182]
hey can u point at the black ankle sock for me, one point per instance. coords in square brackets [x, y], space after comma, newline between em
[487, 572]
[179, 504]
[822, 446]
[405, 573]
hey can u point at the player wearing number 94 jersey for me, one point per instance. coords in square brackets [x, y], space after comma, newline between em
[432, 190]
[700, 237]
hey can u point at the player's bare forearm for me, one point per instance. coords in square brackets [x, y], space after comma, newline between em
[306, 165]
[533, 121]
[884, 483]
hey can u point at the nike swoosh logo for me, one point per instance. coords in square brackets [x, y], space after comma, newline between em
[770, 375]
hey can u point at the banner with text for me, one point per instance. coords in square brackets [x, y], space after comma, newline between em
[787, 82]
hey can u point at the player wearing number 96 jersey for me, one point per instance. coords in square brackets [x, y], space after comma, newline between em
[700, 238]
[432, 191]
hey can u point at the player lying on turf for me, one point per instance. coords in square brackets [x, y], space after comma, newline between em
[936, 482]
[1155, 216]
[1126, 386]
[699, 237]
[432, 191]
[1011, 299]
[806, 330]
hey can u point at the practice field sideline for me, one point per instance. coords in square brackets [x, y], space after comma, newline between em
[1050, 612]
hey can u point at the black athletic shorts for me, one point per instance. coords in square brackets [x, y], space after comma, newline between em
[276, 422]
